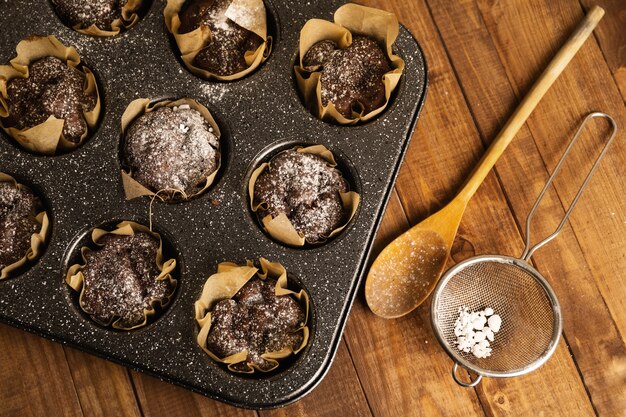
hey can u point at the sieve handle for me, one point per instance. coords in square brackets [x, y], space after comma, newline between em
[528, 250]
[470, 384]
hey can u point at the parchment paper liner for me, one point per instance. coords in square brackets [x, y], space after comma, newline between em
[223, 285]
[37, 240]
[349, 19]
[45, 138]
[249, 14]
[128, 19]
[75, 278]
[280, 228]
[134, 189]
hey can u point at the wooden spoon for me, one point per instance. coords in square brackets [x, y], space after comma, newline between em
[407, 270]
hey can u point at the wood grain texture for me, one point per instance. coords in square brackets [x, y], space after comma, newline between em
[483, 55]
[523, 172]
[34, 377]
[103, 388]
[340, 391]
[599, 219]
[158, 398]
[612, 38]
[403, 370]
[488, 224]
[338, 394]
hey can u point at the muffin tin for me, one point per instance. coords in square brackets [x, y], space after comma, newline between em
[259, 116]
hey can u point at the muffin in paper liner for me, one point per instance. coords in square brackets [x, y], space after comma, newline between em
[45, 138]
[249, 14]
[133, 188]
[129, 18]
[280, 227]
[37, 240]
[75, 278]
[223, 285]
[349, 19]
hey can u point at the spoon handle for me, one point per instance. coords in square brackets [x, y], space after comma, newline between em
[528, 104]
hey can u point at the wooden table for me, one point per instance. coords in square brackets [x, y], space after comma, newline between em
[482, 56]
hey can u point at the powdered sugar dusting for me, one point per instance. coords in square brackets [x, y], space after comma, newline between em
[89, 12]
[304, 188]
[17, 222]
[256, 320]
[224, 54]
[52, 88]
[172, 148]
[121, 279]
[352, 78]
[249, 14]
[404, 273]
[219, 19]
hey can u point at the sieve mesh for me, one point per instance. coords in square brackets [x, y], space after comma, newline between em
[529, 321]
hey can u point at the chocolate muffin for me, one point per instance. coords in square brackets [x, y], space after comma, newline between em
[225, 54]
[120, 280]
[84, 13]
[51, 89]
[306, 189]
[18, 208]
[352, 78]
[171, 148]
[255, 320]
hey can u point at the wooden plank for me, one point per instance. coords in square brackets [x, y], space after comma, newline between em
[34, 378]
[599, 218]
[611, 36]
[598, 222]
[445, 149]
[523, 174]
[338, 394]
[104, 388]
[403, 370]
[158, 398]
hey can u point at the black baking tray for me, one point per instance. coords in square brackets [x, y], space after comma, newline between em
[258, 116]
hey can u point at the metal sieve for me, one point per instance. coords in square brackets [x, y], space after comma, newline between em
[530, 312]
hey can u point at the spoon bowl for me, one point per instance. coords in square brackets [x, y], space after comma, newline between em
[401, 277]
